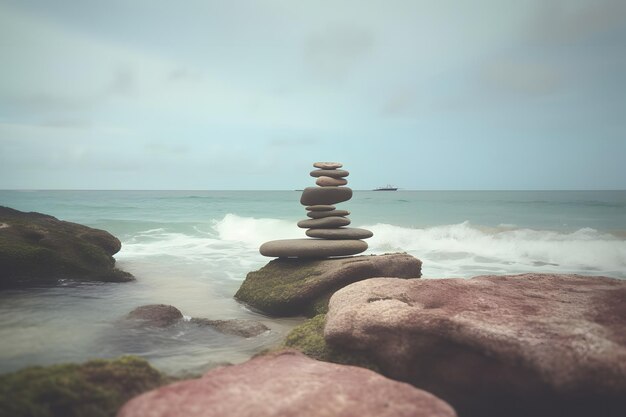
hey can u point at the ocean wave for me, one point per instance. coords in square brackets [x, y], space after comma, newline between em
[225, 248]
[253, 231]
[162, 243]
[460, 249]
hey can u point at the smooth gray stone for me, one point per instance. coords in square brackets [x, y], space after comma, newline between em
[328, 165]
[324, 223]
[236, 327]
[325, 195]
[330, 182]
[334, 173]
[332, 213]
[320, 207]
[340, 233]
[311, 248]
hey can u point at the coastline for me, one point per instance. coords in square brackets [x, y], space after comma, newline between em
[266, 299]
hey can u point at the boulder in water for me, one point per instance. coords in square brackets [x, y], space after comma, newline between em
[36, 248]
[163, 315]
[156, 315]
[236, 327]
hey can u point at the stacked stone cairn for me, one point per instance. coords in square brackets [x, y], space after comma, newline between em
[326, 225]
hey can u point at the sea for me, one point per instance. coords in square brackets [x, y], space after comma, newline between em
[193, 249]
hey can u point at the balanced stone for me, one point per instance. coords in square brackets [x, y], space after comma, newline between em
[311, 248]
[325, 195]
[329, 181]
[320, 207]
[320, 204]
[328, 165]
[340, 233]
[334, 173]
[331, 213]
[324, 223]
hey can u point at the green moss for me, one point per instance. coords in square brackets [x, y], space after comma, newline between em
[36, 248]
[319, 306]
[289, 287]
[93, 255]
[18, 257]
[17, 250]
[278, 287]
[309, 339]
[96, 388]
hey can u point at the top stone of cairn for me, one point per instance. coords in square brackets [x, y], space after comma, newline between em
[328, 165]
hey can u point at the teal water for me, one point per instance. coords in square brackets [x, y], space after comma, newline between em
[192, 249]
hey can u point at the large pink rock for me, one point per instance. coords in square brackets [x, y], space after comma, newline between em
[525, 345]
[287, 384]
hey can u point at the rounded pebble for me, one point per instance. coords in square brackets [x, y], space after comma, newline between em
[311, 248]
[328, 165]
[340, 233]
[334, 173]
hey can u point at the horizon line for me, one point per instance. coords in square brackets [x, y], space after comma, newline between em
[399, 189]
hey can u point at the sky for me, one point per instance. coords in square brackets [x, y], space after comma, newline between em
[243, 95]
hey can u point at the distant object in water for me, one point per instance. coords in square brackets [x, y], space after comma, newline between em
[388, 187]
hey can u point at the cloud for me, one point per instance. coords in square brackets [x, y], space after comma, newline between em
[67, 123]
[293, 143]
[333, 53]
[50, 99]
[167, 148]
[183, 74]
[46, 102]
[399, 103]
[562, 47]
[25, 147]
[519, 76]
[558, 22]
[123, 83]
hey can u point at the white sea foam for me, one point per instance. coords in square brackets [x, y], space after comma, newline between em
[160, 243]
[462, 248]
[254, 232]
[225, 249]
[231, 246]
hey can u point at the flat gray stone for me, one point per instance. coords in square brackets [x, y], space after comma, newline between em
[320, 207]
[155, 315]
[330, 182]
[328, 165]
[311, 248]
[331, 213]
[334, 173]
[325, 195]
[236, 327]
[324, 223]
[340, 233]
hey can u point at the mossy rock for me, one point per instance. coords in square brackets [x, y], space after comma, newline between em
[319, 305]
[96, 388]
[39, 249]
[308, 338]
[289, 287]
